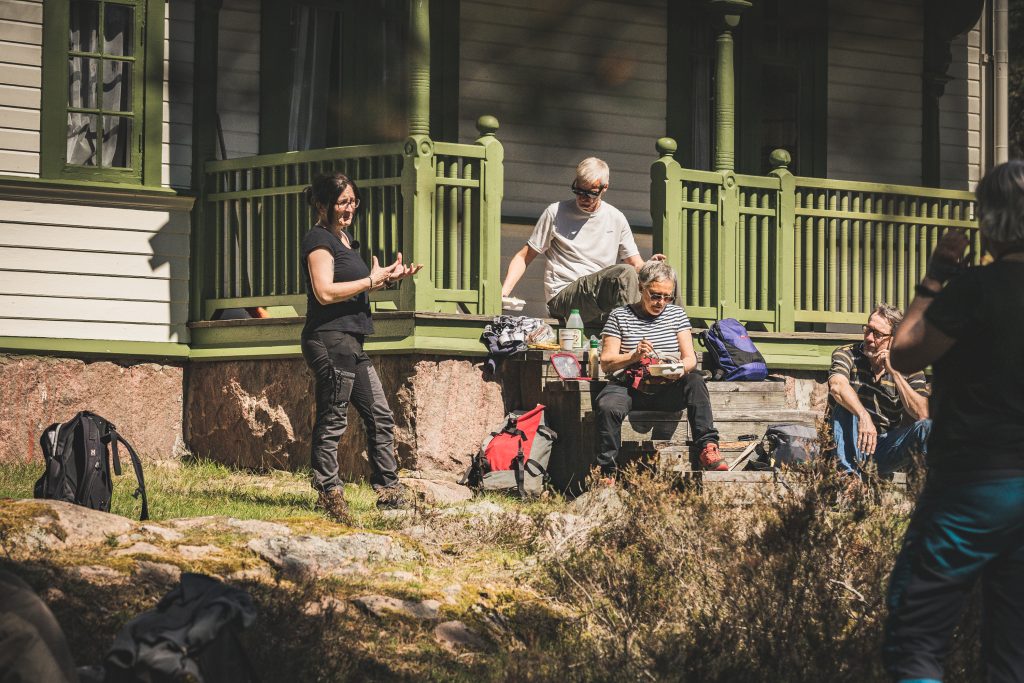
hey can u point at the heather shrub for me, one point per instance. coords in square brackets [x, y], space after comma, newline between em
[689, 585]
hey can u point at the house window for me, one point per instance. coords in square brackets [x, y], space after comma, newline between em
[95, 89]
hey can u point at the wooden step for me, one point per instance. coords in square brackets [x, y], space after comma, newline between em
[645, 425]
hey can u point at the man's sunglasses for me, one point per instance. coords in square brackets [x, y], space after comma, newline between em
[593, 194]
[655, 297]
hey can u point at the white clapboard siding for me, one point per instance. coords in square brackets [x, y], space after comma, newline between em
[89, 310]
[94, 263]
[79, 238]
[31, 283]
[107, 331]
[566, 81]
[238, 77]
[874, 86]
[179, 58]
[21, 39]
[88, 272]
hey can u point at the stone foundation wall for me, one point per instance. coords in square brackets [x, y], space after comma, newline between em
[806, 389]
[144, 401]
[260, 414]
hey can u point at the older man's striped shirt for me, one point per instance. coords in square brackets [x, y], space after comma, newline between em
[880, 398]
[661, 331]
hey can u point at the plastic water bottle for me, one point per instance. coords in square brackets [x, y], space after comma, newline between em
[575, 323]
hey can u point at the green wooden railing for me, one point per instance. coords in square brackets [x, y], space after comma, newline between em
[783, 251]
[438, 203]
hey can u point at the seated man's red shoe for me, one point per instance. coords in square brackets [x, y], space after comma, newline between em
[711, 458]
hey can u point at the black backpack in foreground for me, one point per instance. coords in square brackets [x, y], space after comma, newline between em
[77, 456]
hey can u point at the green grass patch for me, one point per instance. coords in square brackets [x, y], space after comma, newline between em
[191, 490]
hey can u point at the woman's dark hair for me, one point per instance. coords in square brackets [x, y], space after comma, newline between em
[325, 190]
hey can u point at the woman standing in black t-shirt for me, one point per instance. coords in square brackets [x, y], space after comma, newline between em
[968, 526]
[338, 319]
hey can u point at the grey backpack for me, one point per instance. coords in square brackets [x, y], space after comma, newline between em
[514, 458]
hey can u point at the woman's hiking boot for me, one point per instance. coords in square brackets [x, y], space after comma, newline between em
[334, 505]
[393, 498]
[711, 459]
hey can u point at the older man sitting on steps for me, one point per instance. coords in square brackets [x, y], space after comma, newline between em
[876, 412]
[584, 240]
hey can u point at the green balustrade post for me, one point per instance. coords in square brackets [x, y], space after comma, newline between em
[725, 98]
[785, 241]
[666, 204]
[204, 146]
[492, 184]
[728, 226]
[418, 187]
[419, 67]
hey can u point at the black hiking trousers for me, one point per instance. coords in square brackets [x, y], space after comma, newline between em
[615, 401]
[344, 374]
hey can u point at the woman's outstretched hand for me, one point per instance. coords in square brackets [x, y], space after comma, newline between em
[401, 270]
[380, 275]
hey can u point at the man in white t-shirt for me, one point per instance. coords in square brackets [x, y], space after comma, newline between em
[592, 259]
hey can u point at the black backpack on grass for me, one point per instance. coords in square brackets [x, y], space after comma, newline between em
[77, 456]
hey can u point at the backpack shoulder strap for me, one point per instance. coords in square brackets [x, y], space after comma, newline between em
[136, 465]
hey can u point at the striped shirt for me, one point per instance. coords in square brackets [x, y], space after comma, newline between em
[880, 398]
[662, 331]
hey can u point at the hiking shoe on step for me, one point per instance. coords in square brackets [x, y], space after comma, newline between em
[711, 458]
[334, 505]
[393, 498]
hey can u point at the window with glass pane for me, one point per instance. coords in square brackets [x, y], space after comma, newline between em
[101, 104]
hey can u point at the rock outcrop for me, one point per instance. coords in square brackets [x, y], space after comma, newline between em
[260, 414]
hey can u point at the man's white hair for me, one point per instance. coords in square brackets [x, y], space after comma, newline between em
[592, 170]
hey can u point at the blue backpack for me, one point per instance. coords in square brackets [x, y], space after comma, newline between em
[731, 356]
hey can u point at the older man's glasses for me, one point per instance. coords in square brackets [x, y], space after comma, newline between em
[592, 194]
[870, 331]
[658, 298]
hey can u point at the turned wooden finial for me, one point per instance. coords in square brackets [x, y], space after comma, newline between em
[487, 124]
[666, 146]
[779, 158]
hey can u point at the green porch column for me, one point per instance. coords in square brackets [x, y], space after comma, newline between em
[725, 97]
[785, 236]
[418, 186]
[419, 67]
[204, 145]
[492, 187]
[666, 209]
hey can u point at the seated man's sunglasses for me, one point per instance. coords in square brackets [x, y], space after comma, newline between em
[655, 297]
[593, 194]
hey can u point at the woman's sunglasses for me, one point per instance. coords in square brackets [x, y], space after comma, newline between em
[655, 297]
[593, 194]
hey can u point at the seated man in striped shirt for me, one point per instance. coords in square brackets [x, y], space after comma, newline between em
[876, 412]
[653, 327]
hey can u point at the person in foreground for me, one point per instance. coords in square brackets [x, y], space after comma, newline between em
[876, 412]
[338, 284]
[969, 520]
[584, 240]
[653, 328]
